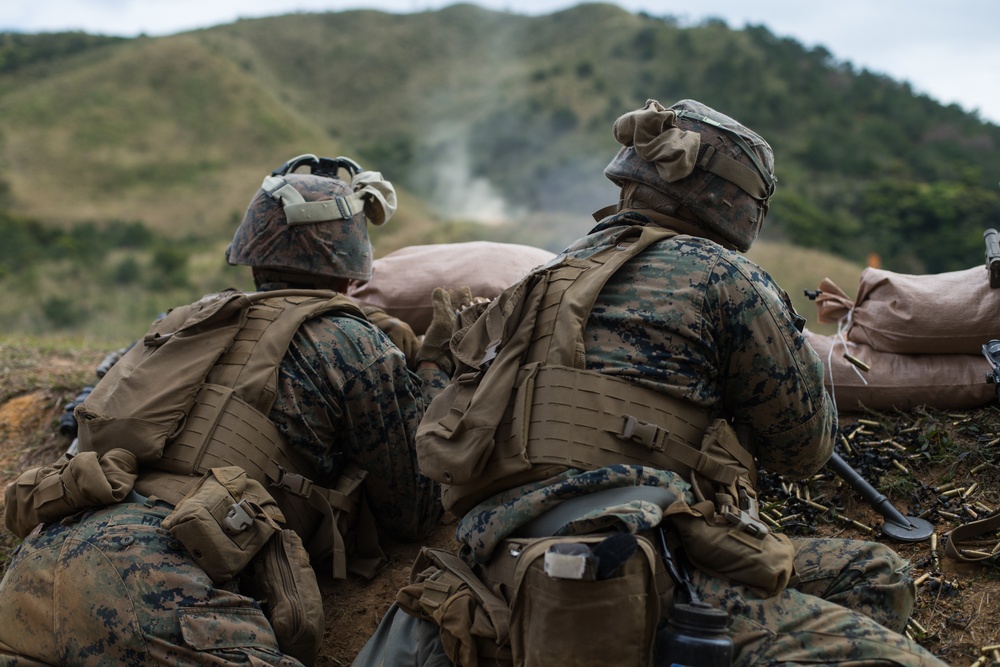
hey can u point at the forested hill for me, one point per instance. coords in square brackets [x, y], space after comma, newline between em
[476, 116]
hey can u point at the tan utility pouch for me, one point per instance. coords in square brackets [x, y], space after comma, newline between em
[473, 619]
[581, 622]
[722, 533]
[762, 562]
[288, 591]
[224, 521]
[41, 495]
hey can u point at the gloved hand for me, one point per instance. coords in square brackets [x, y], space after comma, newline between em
[436, 345]
[398, 331]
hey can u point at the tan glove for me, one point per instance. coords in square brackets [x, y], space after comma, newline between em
[436, 346]
[398, 331]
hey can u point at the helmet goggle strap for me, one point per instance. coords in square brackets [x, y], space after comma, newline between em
[320, 166]
[758, 183]
[373, 196]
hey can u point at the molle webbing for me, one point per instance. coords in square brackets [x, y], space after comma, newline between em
[228, 425]
[584, 419]
[570, 293]
[228, 419]
[476, 449]
[588, 420]
[250, 364]
[224, 430]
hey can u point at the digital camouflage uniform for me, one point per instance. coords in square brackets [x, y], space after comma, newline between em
[691, 319]
[696, 321]
[112, 587]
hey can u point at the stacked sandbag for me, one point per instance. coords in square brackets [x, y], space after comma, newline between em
[902, 381]
[402, 281]
[943, 313]
[921, 337]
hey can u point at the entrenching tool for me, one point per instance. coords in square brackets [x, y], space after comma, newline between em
[896, 525]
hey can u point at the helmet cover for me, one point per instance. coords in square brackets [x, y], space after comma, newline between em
[313, 223]
[719, 172]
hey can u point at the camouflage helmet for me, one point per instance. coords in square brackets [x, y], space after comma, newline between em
[715, 172]
[314, 223]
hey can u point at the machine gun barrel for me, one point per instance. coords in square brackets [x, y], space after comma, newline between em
[991, 351]
[992, 239]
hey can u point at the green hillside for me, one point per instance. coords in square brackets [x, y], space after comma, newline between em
[477, 116]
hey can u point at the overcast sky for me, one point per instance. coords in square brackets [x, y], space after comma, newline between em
[949, 51]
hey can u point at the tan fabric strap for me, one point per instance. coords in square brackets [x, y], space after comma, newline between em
[571, 292]
[228, 425]
[588, 420]
[734, 171]
[969, 531]
[254, 443]
[250, 362]
[462, 572]
[758, 182]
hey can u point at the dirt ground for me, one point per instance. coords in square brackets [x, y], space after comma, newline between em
[916, 459]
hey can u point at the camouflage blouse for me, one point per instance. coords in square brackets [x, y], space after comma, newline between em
[345, 396]
[698, 322]
[691, 319]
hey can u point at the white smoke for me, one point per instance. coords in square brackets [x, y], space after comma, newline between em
[454, 192]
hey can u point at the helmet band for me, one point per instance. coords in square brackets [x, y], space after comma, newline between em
[372, 194]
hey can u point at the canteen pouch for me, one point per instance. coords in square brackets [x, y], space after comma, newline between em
[286, 587]
[472, 619]
[722, 532]
[224, 521]
[45, 494]
[761, 562]
[583, 622]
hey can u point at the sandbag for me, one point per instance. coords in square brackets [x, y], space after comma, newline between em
[903, 381]
[402, 281]
[944, 313]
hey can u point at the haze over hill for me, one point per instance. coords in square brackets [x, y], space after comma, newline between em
[491, 125]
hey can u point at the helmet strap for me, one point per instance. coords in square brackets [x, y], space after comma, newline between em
[758, 182]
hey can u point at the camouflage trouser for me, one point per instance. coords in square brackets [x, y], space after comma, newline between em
[846, 605]
[110, 587]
